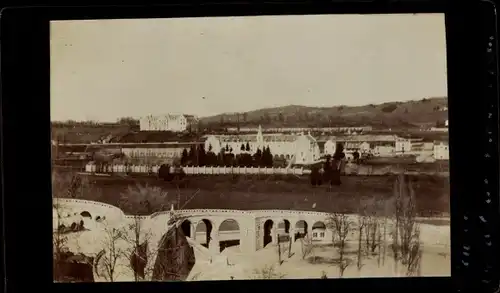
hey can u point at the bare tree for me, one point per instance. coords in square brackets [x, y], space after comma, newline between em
[384, 235]
[371, 231]
[406, 233]
[341, 225]
[372, 216]
[414, 261]
[279, 249]
[107, 263]
[379, 254]
[141, 199]
[307, 246]
[361, 226]
[139, 253]
[59, 240]
[284, 247]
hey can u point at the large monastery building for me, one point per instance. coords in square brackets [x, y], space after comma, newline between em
[303, 147]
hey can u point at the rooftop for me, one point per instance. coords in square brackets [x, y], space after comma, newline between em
[253, 138]
[361, 138]
[153, 136]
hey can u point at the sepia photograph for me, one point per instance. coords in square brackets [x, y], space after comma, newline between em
[250, 147]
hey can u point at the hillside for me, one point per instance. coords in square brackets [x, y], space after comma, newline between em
[411, 114]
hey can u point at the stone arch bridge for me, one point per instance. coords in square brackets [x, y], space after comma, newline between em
[253, 229]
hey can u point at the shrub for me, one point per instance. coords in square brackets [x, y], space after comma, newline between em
[389, 108]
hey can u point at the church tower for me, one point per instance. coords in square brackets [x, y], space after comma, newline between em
[260, 139]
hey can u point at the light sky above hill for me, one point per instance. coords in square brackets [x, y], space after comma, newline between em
[106, 69]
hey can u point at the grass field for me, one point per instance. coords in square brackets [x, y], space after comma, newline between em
[270, 192]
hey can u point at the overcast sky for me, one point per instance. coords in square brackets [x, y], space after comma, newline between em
[106, 69]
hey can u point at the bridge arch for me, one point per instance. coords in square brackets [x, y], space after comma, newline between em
[229, 233]
[284, 226]
[203, 230]
[268, 232]
[301, 229]
[283, 230]
[186, 227]
[86, 214]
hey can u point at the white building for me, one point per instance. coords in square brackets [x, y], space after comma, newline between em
[441, 151]
[158, 152]
[386, 145]
[331, 145]
[169, 122]
[303, 147]
[402, 145]
[320, 233]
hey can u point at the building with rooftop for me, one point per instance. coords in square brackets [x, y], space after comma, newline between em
[169, 122]
[441, 151]
[384, 144]
[303, 147]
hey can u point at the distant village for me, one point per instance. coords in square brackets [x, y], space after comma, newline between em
[161, 139]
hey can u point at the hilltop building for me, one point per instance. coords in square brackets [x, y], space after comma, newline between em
[169, 122]
[304, 147]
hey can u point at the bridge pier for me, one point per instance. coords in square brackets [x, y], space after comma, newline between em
[274, 234]
[192, 231]
[248, 235]
[244, 239]
[214, 245]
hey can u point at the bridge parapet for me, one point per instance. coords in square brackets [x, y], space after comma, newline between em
[131, 217]
[289, 212]
[212, 212]
[87, 202]
[197, 212]
[93, 206]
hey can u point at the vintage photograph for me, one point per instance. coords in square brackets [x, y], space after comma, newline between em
[256, 147]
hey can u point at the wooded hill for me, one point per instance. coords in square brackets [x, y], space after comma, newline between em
[427, 112]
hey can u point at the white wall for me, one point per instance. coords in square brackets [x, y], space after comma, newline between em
[322, 235]
[384, 151]
[169, 122]
[441, 152]
[306, 150]
[403, 145]
[213, 141]
[329, 148]
[153, 152]
[301, 145]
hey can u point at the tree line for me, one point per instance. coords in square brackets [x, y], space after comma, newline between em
[331, 169]
[197, 156]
